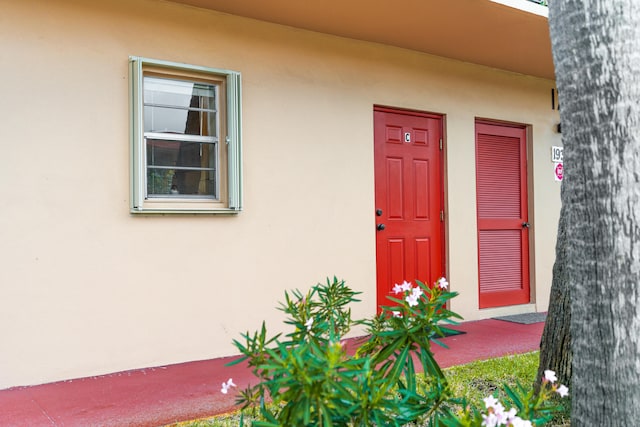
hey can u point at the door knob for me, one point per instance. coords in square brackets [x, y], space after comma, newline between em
[379, 212]
[525, 225]
[380, 227]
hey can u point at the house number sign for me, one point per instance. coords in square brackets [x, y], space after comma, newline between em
[557, 157]
[557, 154]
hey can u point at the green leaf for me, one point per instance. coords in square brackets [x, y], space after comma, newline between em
[388, 350]
[398, 365]
[440, 343]
[236, 361]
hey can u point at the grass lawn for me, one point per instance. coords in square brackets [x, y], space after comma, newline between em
[474, 381]
[478, 380]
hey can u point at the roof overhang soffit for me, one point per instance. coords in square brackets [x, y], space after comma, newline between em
[511, 35]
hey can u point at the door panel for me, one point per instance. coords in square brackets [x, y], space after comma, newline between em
[421, 187]
[423, 251]
[409, 198]
[501, 258]
[502, 207]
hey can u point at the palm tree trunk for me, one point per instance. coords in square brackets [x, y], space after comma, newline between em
[555, 344]
[596, 49]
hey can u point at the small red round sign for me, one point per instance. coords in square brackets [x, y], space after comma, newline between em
[559, 170]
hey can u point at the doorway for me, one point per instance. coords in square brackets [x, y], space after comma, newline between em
[409, 197]
[503, 219]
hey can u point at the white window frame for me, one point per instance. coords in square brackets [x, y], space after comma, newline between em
[140, 203]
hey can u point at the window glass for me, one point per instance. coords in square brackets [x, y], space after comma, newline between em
[177, 106]
[178, 183]
[185, 166]
[180, 167]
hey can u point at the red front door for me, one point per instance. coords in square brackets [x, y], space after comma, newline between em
[409, 198]
[503, 221]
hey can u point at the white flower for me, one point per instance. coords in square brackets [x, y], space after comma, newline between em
[309, 323]
[442, 283]
[499, 410]
[397, 314]
[489, 420]
[406, 286]
[412, 300]
[519, 422]
[563, 391]
[496, 415]
[550, 376]
[502, 418]
[417, 292]
[511, 414]
[490, 402]
[226, 386]
[397, 289]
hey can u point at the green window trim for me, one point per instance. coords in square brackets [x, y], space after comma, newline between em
[139, 202]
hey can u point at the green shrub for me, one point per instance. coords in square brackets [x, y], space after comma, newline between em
[311, 380]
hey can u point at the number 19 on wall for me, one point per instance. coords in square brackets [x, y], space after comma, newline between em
[557, 154]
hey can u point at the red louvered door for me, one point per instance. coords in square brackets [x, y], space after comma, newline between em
[409, 198]
[503, 223]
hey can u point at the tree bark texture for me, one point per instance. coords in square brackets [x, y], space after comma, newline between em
[555, 344]
[596, 50]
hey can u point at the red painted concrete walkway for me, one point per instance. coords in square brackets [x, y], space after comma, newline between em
[157, 396]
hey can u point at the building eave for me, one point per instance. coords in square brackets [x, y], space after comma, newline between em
[510, 35]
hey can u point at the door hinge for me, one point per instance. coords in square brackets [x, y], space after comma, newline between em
[440, 144]
[441, 215]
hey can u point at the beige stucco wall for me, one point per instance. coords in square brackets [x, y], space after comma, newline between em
[87, 288]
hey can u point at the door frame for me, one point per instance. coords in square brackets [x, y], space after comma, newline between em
[443, 183]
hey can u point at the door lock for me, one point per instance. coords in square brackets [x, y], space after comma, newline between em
[380, 227]
[526, 225]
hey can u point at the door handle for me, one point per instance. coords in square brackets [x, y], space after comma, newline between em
[526, 225]
[380, 227]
